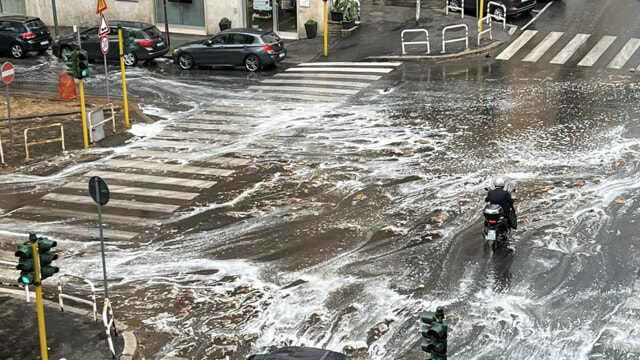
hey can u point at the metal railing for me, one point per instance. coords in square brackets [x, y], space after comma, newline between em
[455, 8]
[27, 144]
[26, 287]
[93, 126]
[496, 17]
[74, 298]
[109, 322]
[488, 30]
[465, 38]
[426, 34]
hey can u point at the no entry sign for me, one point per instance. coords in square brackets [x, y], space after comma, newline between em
[104, 45]
[7, 73]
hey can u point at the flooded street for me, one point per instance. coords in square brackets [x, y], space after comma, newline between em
[354, 216]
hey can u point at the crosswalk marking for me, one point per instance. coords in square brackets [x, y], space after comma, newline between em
[310, 97]
[314, 90]
[172, 144]
[149, 165]
[131, 190]
[340, 69]
[197, 156]
[539, 50]
[623, 56]
[376, 64]
[331, 76]
[163, 180]
[208, 126]
[76, 214]
[507, 53]
[315, 82]
[221, 117]
[230, 109]
[113, 203]
[16, 225]
[573, 46]
[198, 135]
[594, 54]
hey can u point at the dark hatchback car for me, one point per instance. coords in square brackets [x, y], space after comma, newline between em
[300, 353]
[514, 7]
[251, 48]
[148, 45]
[21, 34]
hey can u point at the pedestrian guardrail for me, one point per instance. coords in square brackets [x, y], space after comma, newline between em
[426, 35]
[27, 143]
[487, 30]
[112, 118]
[455, 8]
[450, 27]
[502, 18]
[75, 298]
[109, 322]
[26, 287]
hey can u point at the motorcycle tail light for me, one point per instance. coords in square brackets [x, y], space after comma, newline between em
[493, 221]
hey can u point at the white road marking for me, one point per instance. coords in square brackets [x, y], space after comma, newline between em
[113, 203]
[163, 180]
[624, 54]
[131, 190]
[507, 53]
[535, 17]
[331, 76]
[570, 49]
[594, 54]
[156, 166]
[340, 69]
[197, 156]
[539, 50]
[297, 89]
[376, 64]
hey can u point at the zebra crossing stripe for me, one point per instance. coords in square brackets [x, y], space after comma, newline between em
[131, 190]
[76, 214]
[316, 82]
[148, 165]
[573, 46]
[513, 48]
[310, 97]
[539, 50]
[341, 69]
[198, 135]
[210, 126]
[162, 180]
[331, 76]
[55, 227]
[623, 56]
[594, 54]
[376, 64]
[230, 109]
[113, 203]
[197, 156]
[175, 144]
[297, 89]
[221, 117]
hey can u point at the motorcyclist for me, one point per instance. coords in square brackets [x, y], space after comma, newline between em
[503, 198]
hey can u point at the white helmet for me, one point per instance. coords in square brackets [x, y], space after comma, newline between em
[499, 182]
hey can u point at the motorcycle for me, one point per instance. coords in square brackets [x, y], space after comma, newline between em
[496, 227]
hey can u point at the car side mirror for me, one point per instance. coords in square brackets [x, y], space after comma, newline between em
[83, 36]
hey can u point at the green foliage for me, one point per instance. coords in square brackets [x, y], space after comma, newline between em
[311, 22]
[225, 20]
[337, 5]
[350, 10]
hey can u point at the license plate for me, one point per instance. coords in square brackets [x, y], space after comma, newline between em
[281, 55]
[44, 42]
[491, 235]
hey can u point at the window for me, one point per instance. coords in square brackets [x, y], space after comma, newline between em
[35, 25]
[7, 26]
[220, 39]
[240, 39]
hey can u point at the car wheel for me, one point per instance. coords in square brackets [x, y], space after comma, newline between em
[252, 63]
[498, 12]
[454, 3]
[65, 49]
[185, 61]
[17, 51]
[130, 59]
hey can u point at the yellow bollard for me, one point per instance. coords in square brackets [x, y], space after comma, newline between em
[326, 30]
[85, 137]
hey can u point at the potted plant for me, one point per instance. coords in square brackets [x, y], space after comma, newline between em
[311, 27]
[224, 23]
[349, 14]
[337, 9]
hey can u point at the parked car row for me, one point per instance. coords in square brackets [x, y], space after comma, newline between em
[251, 48]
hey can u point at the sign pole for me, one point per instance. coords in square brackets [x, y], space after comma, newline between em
[10, 126]
[106, 75]
[39, 305]
[326, 28]
[100, 194]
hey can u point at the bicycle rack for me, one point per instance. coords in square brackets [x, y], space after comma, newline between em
[426, 34]
[465, 38]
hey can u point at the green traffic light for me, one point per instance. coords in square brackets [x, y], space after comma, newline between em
[27, 278]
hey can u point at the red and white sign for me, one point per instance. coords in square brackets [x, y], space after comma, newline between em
[102, 6]
[7, 73]
[104, 27]
[104, 45]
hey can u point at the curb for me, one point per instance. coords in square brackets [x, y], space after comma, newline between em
[129, 339]
[465, 53]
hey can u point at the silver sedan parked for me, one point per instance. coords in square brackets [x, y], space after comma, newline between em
[251, 48]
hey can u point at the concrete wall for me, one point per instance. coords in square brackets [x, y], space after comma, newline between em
[83, 12]
[313, 12]
[217, 9]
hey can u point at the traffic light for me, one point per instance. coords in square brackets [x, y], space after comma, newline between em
[128, 40]
[26, 264]
[82, 59]
[72, 63]
[434, 334]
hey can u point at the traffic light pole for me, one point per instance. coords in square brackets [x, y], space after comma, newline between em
[39, 305]
[85, 138]
[124, 78]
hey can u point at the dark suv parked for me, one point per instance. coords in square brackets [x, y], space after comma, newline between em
[149, 43]
[20, 34]
[514, 7]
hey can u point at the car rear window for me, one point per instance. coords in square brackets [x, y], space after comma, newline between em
[152, 32]
[270, 38]
[35, 24]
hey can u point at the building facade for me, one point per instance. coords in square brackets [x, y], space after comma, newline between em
[201, 17]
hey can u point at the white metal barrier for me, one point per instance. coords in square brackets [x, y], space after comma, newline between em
[93, 126]
[459, 26]
[26, 287]
[108, 320]
[455, 8]
[488, 30]
[74, 298]
[27, 144]
[426, 34]
[502, 18]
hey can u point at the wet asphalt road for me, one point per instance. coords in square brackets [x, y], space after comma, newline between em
[360, 228]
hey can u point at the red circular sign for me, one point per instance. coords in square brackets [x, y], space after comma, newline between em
[104, 44]
[7, 72]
